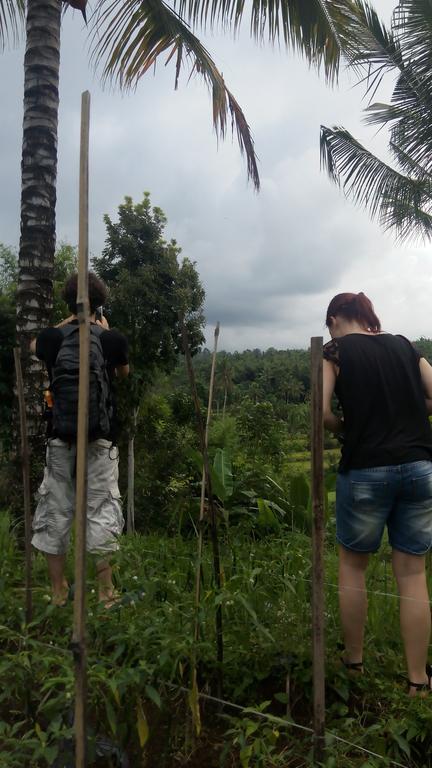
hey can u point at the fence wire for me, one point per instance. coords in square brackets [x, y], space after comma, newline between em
[28, 641]
[283, 722]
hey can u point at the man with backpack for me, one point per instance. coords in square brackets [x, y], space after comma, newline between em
[58, 348]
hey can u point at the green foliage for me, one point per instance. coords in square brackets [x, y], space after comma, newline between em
[65, 263]
[164, 472]
[148, 287]
[8, 270]
[140, 652]
[8, 280]
[223, 472]
[260, 432]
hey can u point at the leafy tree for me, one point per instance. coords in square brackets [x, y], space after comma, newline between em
[65, 263]
[148, 288]
[8, 270]
[8, 278]
[260, 432]
[398, 195]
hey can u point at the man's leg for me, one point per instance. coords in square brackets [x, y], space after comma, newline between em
[107, 592]
[415, 616]
[352, 602]
[104, 515]
[59, 585]
[53, 515]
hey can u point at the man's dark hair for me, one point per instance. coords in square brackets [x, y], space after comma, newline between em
[98, 292]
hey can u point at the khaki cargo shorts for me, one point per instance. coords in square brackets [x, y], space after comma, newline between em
[56, 499]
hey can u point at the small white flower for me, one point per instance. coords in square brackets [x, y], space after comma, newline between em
[135, 578]
[47, 598]
[92, 591]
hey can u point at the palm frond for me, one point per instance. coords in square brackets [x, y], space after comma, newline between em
[306, 27]
[408, 165]
[128, 36]
[398, 201]
[12, 16]
[413, 25]
[365, 41]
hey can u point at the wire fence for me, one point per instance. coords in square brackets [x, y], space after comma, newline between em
[285, 723]
[247, 711]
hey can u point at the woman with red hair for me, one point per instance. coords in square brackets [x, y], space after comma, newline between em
[384, 388]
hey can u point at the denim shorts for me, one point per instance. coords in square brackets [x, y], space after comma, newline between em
[398, 496]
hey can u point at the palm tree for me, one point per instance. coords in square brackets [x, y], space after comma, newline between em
[398, 194]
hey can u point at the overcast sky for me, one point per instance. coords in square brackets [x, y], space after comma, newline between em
[269, 262]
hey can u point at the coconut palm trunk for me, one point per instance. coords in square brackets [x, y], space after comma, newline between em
[38, 186]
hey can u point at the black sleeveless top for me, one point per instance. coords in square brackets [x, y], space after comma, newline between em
[380, 391]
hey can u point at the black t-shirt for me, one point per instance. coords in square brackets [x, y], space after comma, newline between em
[114, 347]
[380, 391]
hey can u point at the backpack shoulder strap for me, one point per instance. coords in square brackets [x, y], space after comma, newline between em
[96, 330]
[68, 330]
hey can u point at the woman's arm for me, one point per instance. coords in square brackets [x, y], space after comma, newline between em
[426, 377]
[331, 422]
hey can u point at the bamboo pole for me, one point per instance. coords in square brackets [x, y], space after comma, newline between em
[78, 637]
[25, 457]
[203, 485]
[130, 519]
[317, 445]
[213, 516]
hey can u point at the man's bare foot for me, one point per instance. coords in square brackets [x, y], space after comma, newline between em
[109, 597]
[60, 597]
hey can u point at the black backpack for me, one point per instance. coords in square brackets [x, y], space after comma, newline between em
[64, 386]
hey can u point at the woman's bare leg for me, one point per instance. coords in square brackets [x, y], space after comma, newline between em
[415, 616]
[352, 602]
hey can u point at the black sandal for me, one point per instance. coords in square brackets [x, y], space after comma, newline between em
[354, 666]
[423, 686]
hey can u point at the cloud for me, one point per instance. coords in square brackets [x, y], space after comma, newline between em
[269, 262]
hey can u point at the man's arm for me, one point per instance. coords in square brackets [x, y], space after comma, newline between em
[122, 371]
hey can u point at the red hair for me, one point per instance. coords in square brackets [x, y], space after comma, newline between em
[354, 306]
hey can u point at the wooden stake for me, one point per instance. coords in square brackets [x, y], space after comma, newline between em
[25, 458]
[212, 509]
[78, 637]
[317, 446]
[203, 486]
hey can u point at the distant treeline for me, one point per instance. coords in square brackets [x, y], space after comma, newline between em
[278, 376]
[281, 377]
